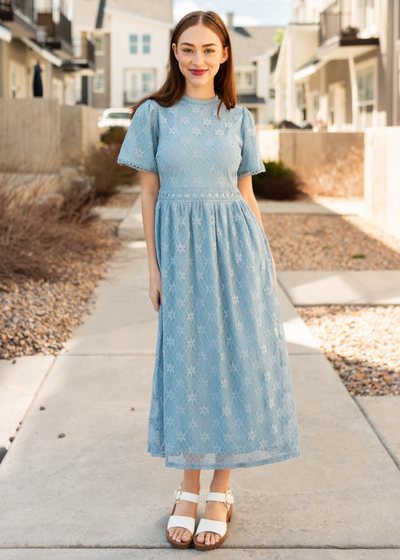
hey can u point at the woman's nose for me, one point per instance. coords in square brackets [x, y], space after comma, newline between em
[198, 59]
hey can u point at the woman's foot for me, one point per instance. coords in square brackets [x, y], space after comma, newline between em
[215, 511]
[189, 509]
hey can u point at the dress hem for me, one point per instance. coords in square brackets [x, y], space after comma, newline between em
[196, 466]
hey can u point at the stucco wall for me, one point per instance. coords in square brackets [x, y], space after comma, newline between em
[382, 178]
[325, 157]
[79, 131]
[30, 135]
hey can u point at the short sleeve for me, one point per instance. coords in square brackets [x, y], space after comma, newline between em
[139, 147]
[252, 162]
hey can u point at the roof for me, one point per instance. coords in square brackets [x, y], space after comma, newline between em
[248, 42]
[249, 98]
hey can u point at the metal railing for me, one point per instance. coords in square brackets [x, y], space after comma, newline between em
[56, 31]
[7, 8]
[333, 22]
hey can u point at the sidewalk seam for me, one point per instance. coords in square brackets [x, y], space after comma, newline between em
[377, 433]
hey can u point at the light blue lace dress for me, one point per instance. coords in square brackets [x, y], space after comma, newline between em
[222, 393]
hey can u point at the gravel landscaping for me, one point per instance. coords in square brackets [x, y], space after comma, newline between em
[361, 342]
[37, 316]
[310, 242]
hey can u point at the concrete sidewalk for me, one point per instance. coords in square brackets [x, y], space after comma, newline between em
[97, 487]
[348, 287]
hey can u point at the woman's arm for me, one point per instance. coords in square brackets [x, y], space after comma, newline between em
[245, 185]
[150, 186]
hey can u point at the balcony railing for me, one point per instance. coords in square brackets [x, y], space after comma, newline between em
[7, 8]
[333, 23]
[58, 33]
[88, 51]
[84, 57]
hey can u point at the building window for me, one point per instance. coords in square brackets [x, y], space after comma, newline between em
[271, 93]
[365, 105]
[77, 40]
[366, 15]
[99, 44]
[133, 44]
[301, 102]
[248, 79]
[138, 83]
[238, 78]
[146, 44]
[98, 83]
[147, 79]
[18, 80]
[337, 106]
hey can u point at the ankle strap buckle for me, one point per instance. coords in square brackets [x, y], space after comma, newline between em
[178, 494]
[228, 497]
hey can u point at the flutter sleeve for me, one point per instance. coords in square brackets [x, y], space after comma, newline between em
[139, 147]
[252, 162]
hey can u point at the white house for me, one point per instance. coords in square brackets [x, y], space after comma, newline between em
[139, 49]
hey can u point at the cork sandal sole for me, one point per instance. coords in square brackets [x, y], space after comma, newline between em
[202, 546]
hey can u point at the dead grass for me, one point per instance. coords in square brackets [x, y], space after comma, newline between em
[40, 231]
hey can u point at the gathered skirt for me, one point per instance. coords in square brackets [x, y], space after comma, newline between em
[222, 394]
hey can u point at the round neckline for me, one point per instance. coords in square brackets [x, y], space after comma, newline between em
[200, 101]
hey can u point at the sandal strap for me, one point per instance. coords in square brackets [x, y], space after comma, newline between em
[226, 497]
[209, 525]
[181, 521]
[188, 496]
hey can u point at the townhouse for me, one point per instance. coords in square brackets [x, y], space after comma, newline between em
[339, 65]
[36, 38]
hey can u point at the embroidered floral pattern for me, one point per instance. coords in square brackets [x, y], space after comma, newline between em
[222, 394]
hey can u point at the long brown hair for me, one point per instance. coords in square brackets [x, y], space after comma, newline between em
[174, 86]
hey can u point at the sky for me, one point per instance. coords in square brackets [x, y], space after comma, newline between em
[245, 12]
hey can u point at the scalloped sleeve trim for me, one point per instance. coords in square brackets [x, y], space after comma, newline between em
[252, 172]
[123, 161]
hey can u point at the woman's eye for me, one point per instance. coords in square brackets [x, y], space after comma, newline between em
[190, 50]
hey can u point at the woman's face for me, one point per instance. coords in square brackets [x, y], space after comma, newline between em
[199, 53]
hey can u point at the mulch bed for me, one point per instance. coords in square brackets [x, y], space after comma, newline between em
[37, 316]
[361, 342]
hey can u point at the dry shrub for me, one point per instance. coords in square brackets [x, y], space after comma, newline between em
[114, 135]
[39, 231]
[339, 177]
[100, 164]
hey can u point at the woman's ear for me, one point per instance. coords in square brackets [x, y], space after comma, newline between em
[225, 54]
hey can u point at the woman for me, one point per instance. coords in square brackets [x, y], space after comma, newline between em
[222, 392]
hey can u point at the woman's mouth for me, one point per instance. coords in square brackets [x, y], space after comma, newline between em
[198, 72]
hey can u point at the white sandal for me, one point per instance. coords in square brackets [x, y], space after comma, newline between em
[212, 526]
[182, 520]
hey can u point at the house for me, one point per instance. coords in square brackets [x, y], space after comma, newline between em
[36, 32]
[131, 41]
[339, 65]
[251, 48]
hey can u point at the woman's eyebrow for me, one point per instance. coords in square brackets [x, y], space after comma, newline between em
[207, 45]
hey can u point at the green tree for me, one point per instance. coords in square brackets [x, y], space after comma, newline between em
[278, 38]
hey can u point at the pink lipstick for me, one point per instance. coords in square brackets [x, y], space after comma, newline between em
[198, 72]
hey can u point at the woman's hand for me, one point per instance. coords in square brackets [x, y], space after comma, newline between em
[155, 290]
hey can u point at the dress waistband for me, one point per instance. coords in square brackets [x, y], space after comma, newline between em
[196, 195]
